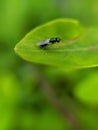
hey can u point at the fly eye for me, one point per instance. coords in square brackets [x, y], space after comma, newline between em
[58, 39]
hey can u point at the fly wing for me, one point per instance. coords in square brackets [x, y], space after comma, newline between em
[46, 42]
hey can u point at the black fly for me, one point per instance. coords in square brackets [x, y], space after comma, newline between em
[49, 41]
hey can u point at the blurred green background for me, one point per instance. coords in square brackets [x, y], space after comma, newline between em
[23, 106]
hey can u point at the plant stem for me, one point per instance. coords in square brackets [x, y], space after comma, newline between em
[67, 114]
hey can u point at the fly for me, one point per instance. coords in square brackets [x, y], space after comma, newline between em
[49, 41]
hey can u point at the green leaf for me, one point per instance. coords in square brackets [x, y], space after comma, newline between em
[87, 90]
[76, 50]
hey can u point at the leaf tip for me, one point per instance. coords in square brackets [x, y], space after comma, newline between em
[15, 49]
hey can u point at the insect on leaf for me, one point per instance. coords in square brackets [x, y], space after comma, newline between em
[77, 48]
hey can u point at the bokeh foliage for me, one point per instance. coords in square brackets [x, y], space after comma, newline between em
[22, 105]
